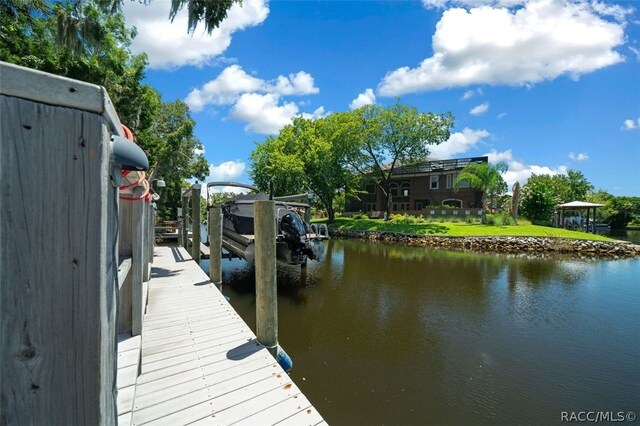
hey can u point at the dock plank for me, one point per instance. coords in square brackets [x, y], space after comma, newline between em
[201, 363]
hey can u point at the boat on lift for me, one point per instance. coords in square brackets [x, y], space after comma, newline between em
[296, 240]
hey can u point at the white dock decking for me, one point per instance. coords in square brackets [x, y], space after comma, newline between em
[201, 364]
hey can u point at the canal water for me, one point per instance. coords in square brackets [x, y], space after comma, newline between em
[384, 334]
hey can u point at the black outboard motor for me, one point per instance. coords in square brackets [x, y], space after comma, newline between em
[291, 251]
[293, 229]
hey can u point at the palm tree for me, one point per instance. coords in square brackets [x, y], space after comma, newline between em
[211, 12]
[486, 178]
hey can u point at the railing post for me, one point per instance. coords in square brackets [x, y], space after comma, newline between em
[146, 241]
[137, 261]
[215, 244]
[266, 283]
[195, 214]
[185, 223]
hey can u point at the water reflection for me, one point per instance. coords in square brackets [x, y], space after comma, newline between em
[384, 334]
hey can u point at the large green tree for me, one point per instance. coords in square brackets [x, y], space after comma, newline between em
[542, 193]
[383, 139]
[617, 211]
[573, 186]
[538, 198]
[174, 154]
[97, 51]
[306, 155]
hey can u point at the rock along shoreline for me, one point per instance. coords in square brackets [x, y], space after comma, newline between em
[502, 244]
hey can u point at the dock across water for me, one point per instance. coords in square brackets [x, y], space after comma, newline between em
[201, 364]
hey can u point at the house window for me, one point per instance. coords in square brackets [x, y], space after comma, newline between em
[452, 203]
[433, 182]
[463, 184]
[419, 205]
[451, 179]
[393, 189]
[405, 188]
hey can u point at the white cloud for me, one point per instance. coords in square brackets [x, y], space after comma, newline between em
[224, 89]
[365, 98]
[501, 115]
[227, 171]
[441, 4]
[233, 81]
[458, 143]
[318, 113]
[471, 93]
[168, 45]
[629, 124]
[581, 156]
[519, 171]
[616, 11]
[296, 84]
[263, 113]
[480, 109]
[541, 40]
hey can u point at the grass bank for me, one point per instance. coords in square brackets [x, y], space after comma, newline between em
[458, 229]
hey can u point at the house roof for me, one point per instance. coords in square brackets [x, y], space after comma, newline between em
[578, 205]
[440, 165]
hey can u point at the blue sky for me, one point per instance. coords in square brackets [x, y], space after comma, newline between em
[543, 85]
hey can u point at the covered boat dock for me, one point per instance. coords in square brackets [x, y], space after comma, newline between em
[564, 222]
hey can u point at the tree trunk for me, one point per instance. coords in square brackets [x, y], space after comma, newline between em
[331, 213]
[389, 202]
[484, 208]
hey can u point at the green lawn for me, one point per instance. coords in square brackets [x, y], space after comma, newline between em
[524, 228]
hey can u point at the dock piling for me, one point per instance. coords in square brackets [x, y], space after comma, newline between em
[215, 244]
[266, 281]
[195, 214]
[266, 284]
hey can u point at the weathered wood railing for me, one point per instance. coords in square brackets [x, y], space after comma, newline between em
[193, 193]
[60, 259]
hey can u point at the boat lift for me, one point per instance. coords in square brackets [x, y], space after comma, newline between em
[242, 245]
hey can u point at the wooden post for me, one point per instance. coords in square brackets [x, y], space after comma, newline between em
[195, 214]
[125, 246]
[215, 244]
[266, 284]
[152, 232]
[185, 223]
[137, 261]
[146, 209]
[57, 265]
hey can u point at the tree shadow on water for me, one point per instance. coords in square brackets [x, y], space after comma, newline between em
[291, 281]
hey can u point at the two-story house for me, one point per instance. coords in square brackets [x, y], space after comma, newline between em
[413, 189]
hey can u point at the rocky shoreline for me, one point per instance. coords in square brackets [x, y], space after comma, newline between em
[518, 245]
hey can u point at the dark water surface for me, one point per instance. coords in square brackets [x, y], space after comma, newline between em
[383, 334]
[632, 235]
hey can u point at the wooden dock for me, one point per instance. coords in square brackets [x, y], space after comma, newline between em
[201, 364]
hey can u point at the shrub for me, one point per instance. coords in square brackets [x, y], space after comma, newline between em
[499, 220]
[360, 216]
[405, 219]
